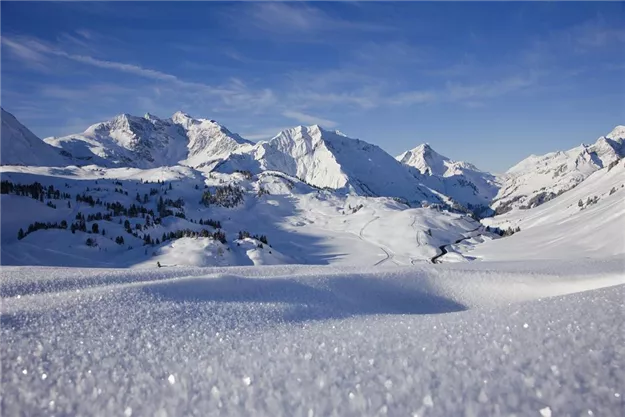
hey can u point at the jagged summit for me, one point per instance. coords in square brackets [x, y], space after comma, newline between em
[617, 133]
[429, 162]
[329, 159]
[459, 180]
[150, 141]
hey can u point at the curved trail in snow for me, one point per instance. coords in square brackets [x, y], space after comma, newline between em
[361, 237]
[387, 252]
[390, 255]
[443, 249]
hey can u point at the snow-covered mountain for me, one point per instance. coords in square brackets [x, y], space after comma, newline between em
[538, 179]
[20, 146]
[461, 181]
[586, 221]
[148, 142]
[329, 159]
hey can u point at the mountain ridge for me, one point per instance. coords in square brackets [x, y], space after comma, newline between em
[462, 181]
[320, 157]
[540, 178]
[149, 141]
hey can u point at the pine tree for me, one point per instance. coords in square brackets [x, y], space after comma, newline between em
[95, 228]
[20, 234]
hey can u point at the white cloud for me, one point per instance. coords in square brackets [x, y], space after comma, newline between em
[234, 94]
[413, 97]
[459, 92]
[284, 17]
[27, 53]
[308, 119]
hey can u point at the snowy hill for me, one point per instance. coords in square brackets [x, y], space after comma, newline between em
[537, 179]
[20, 146]
[302, 224]
[587, 221]
[329, 159]
[461, 181]
[148, 142]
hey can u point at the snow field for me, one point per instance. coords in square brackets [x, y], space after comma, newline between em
[293, 340]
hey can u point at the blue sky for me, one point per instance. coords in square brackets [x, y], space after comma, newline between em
[489, 83]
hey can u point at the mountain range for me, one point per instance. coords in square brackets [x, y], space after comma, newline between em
[538, 179]
[319, 157]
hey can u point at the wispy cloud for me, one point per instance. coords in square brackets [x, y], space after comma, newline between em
[413, 97]
[468, 94]
[308, 119]
[289, 17]
[463, 92]
[234, 93]
[100, 90]
[584, 39]
[25, 51]
[87, 34]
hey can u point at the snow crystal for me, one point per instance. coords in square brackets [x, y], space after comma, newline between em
[314, 341]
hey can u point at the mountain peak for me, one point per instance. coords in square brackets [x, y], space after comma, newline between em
[182, 118]
[617, 133]
[426, 160]
[150, 117]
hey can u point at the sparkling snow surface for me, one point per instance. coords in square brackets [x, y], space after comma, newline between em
[471, 339]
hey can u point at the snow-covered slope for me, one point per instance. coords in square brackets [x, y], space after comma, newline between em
[329, 159]
[537, 179]
[208, 140]
[303, 225]
[461, 181]
[148, 142]
[20, 146]
[587, 221]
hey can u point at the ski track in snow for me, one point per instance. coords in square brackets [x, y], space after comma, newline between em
[387, 252]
